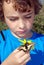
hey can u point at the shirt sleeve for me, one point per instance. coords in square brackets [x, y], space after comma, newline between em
[38, 59]
[42, 55]
[0, 48]
[42, 40]
[1, 39]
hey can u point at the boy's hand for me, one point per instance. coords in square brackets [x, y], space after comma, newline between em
[17, 58]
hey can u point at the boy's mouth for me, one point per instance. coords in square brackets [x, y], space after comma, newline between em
[22, 31]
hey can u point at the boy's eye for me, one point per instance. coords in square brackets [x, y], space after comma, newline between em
[13, 19]
[27, 17]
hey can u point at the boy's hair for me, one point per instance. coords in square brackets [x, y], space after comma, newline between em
[21, 5]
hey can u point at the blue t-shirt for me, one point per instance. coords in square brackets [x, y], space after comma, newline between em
[8, 43]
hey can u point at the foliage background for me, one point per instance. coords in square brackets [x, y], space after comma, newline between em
[38, 25]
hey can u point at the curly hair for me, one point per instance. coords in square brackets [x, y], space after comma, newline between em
[21, 5]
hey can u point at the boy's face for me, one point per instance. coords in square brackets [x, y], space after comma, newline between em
[19, 23]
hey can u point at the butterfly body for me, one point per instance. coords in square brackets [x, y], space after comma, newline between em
[26, 47]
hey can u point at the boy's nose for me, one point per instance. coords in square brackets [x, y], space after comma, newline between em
[21, 24]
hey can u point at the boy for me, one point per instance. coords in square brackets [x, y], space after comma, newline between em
[19, 16]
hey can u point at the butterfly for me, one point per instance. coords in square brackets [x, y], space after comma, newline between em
[26, 45]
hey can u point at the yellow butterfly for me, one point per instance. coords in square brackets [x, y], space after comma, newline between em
[26, 44]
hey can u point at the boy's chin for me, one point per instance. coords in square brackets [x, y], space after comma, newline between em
[22, 35]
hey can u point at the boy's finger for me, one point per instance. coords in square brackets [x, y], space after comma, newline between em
[16, 51]
[24, 57]
[20, 53]
[24, 63]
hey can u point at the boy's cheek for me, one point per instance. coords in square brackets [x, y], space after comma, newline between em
[30, 23]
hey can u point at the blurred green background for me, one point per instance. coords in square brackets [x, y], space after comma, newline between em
[38, 25]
